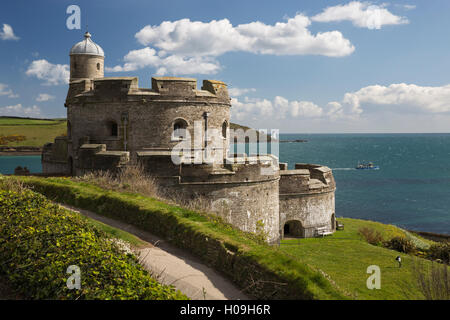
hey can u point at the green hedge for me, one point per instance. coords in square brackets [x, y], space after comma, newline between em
[262, 271]
[39, 241]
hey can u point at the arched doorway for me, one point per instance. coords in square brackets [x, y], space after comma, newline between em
[293, 229]
[333, 222]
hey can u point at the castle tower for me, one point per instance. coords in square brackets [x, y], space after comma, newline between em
[86, 60]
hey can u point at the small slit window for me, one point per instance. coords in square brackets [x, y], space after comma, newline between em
[69, 130]
[224, 129]
[98, 66]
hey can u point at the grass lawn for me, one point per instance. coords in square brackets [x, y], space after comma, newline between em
[344, 256]
[37, 132]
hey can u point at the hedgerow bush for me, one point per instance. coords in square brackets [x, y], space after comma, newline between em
[371, 236]
[440, 251]
[39, 241]
[401, 244]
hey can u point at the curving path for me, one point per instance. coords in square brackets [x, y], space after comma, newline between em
[173, 266]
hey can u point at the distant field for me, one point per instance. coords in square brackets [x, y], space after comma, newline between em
[37, 132]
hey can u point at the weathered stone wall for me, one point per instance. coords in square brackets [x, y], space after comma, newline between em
[86, 66]
[94, 157]
[242, 197]
[307, 200]
[54, 157]
[145, 118]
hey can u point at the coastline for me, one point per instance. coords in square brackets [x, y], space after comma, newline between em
[20, 153]
[438, 237]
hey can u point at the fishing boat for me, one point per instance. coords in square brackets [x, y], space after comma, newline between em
[367, 166]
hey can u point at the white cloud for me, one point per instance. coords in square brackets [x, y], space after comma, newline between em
[186, 47]
[361, 14]
[8, 33]
[236, 92]
[6, 91]
[401, 97]
[214, 38]
[19, 111]
[53, 74]
[279, 108]
[44, 97]
[174, 64]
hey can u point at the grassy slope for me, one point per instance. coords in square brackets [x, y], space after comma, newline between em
[343, 256]
[113, 232]
[96, 199]
[37, 132]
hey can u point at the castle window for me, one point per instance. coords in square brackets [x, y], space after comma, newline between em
[179, 129]
[224, 129]
[98, 66]
[69, 130]
[113, 129]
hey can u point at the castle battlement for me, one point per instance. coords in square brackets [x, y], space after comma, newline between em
[170, 89]
[306, 179]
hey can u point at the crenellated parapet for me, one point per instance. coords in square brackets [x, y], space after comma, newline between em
[169, 89]
[306, 179]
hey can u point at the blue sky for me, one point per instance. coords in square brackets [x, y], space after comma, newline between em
[298, 66]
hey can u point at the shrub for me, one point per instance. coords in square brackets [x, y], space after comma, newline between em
[401, 244]
[39, 241]
[4, 140]
[440, 251]
[131, 178]
[371, 236]
[434, 282]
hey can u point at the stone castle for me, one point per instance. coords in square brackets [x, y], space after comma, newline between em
[112, 123]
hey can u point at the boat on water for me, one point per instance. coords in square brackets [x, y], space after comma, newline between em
[367, 166]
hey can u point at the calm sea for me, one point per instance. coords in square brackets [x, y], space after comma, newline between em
[411, 189]
[9, 163]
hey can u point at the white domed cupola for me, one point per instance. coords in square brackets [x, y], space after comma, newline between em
[87, 46]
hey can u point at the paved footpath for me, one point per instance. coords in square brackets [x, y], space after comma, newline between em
[173, 266]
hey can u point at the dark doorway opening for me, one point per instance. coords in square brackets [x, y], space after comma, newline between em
[286, 229]
[70, 166]
[114, 129]
[294, 229]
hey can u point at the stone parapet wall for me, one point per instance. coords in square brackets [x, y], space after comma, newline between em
[92, 157]
[54, 157]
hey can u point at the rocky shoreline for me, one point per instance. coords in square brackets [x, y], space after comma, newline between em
[20, 151]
